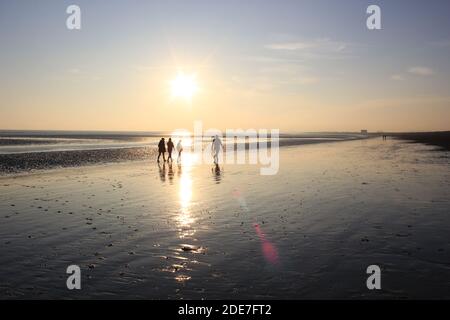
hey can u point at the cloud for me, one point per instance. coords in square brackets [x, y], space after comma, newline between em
[315, 49]
[421, 71]
[320, 44]
[417, 71]
[397, 77]
[74, 71]
[441, 43]
[307, 80]
[290, 46]
[189, 67]
[289, 74]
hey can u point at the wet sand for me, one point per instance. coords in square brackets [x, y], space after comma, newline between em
[440, 139]
[139, 230]
[27, 156]
[27, 162]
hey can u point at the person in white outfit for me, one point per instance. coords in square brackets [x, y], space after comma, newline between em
[216, 146]
[179, 149]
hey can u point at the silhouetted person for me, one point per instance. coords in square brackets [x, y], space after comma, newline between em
[162, 149]
[170, 147]
[179, 149]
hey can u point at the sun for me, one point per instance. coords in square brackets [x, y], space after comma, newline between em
[184, 86]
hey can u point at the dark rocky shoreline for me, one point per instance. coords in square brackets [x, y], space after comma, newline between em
[14, 163]
[440, 139]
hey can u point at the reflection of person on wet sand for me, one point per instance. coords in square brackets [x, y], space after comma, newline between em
[162, 171]
[179, 170]
[162, 149]
[217, 172]
[170, 173]
[170, 147]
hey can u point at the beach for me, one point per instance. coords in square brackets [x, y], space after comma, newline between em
[440, 139]
[25, 151]
[142, 231]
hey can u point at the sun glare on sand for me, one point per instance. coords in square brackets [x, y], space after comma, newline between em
[184, 86]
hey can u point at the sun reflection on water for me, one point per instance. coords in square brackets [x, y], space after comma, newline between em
[186, 222]
[185, 219]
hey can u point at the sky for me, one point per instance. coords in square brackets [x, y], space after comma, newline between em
[297, 66]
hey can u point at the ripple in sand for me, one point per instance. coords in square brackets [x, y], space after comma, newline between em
[192, 248]
[175, 267]
[182, 278]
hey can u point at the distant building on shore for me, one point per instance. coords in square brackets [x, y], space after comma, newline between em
[364, 131]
